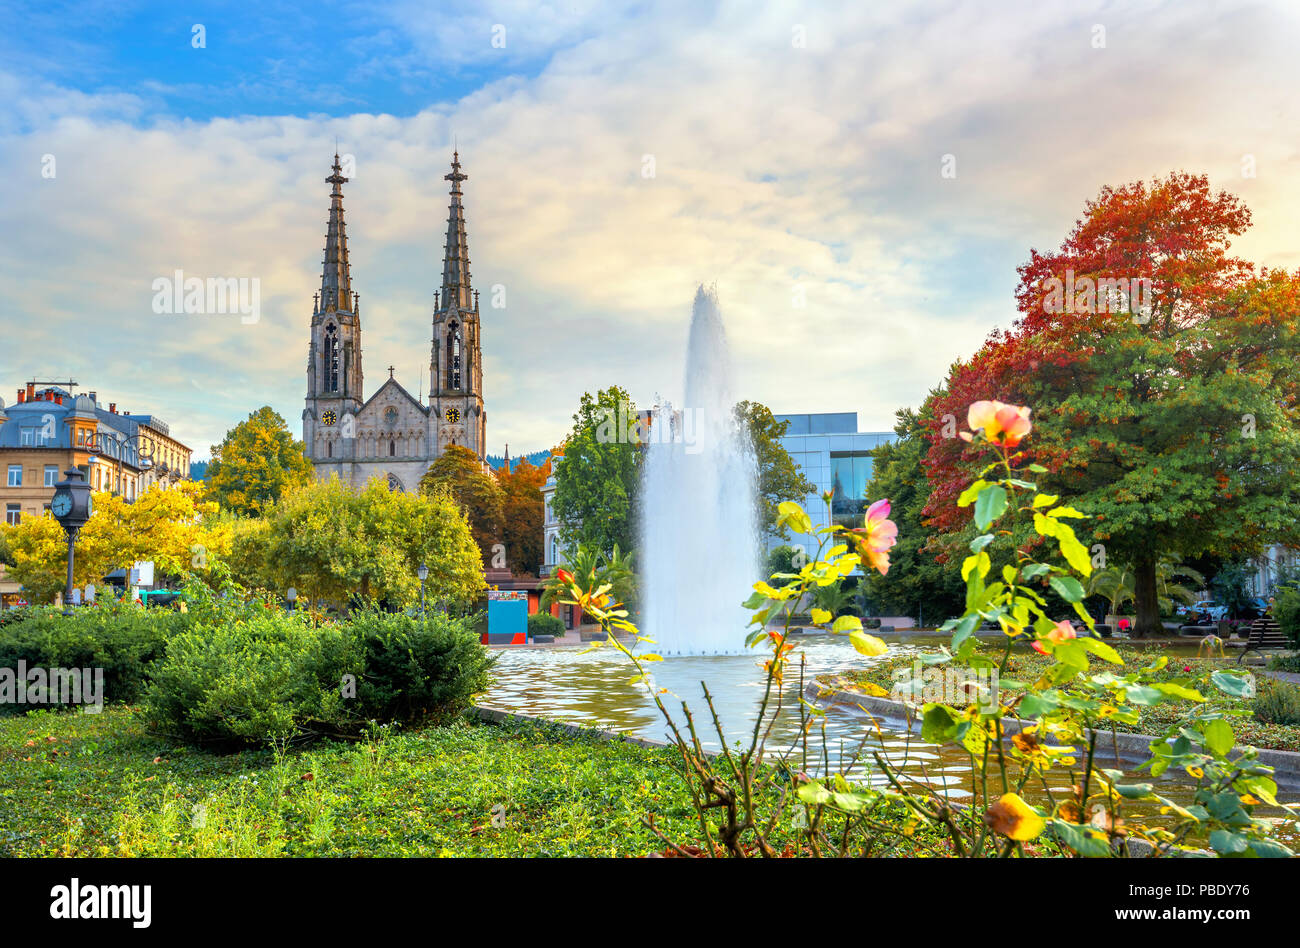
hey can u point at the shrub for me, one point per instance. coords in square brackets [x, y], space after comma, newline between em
[1286, 610]
[1277, 702]
[275, 677]
[279, 677]
[418, 671]
[122, 638]
[1285, 663]
[543, 623]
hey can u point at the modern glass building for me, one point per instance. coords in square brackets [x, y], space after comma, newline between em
[835, 456]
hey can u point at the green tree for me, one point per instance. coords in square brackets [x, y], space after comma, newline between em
[779, 478]
[459, 473]
[918, 583]
[597, 483]
[256, 464]
[334, 544]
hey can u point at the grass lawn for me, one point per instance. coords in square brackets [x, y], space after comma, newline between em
[1027, 666]
[80, 784]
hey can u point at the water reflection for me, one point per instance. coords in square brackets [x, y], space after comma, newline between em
[594, 688]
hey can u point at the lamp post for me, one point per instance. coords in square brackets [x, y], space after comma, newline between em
[72, 507]
[292, 596]
[423, 573]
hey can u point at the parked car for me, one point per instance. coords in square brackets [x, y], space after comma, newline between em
[1204, 612]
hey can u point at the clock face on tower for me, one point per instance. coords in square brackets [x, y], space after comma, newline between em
[61, 504]
[453, 414]
[329, 418]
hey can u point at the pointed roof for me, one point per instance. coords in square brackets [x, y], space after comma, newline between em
[456, 288]
[336, 280]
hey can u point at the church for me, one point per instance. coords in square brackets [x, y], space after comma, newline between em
[392, 435]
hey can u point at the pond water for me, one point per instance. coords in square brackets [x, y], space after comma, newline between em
[594, 688]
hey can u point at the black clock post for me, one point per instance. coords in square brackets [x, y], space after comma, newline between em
[72, 507]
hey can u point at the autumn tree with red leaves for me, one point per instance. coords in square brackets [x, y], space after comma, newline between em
[1163, 375]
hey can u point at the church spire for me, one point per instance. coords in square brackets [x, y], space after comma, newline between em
[336, 280]
[456, 289]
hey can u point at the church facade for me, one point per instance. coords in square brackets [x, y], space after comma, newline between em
[392, 434]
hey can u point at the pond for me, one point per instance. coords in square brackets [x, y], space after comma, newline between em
[594, 688]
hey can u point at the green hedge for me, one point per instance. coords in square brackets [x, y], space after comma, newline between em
[280, 677]
[273, 678]
[1286, 610]
[418, 670]
[543, 623]
[123, 639]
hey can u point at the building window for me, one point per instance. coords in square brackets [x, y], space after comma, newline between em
[329, 449]
[453, 356]
[331, 359]
[392, 449]
[393, 483]
[28, 437]
[850, 471]
[555, 551]
[51, 475]
[15, 475]
[13, 513]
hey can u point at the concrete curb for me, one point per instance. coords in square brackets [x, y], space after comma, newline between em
[1132, 748]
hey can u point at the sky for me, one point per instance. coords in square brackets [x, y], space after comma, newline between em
[619, 155]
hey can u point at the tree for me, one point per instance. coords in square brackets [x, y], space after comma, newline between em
[1167, 411]
[523, 514]
[256, 464]
[459, 473]
[173, 528]
[779, 478]
[334, 544]
[917, 584]
[597, 484]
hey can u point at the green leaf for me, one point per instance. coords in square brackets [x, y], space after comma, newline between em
[990, 505]
[1233, 684]
[1045, 500]
[1269, 849]
[1084, 840]
[1226, 843]
[980, 542]
[1068, 588]
[938, 724]
[1218, 737]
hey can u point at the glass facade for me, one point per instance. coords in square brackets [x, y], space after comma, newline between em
[836, 457]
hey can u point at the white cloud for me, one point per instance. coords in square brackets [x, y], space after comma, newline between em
[775, 166]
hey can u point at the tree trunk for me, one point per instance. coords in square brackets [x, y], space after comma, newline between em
[1146, 601]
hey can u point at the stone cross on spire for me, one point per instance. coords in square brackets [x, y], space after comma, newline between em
[456, 290]
[336, 280]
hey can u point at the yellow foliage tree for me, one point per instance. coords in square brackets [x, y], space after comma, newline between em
[173, 528]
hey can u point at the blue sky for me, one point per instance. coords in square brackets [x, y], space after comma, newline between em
[258, 59]
[796, 149]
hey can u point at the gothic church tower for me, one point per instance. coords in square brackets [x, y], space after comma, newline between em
[334, 377]
[456, 362]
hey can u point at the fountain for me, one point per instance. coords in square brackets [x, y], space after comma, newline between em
[699, 524]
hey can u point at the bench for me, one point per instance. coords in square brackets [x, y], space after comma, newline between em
[1264, 634]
